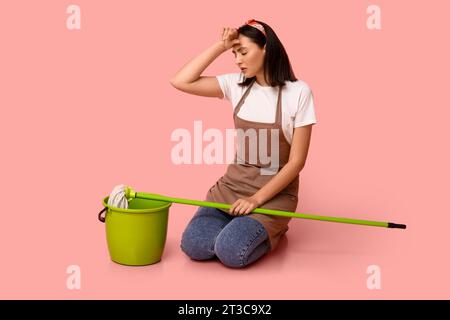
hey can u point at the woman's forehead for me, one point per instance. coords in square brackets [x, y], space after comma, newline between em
[244, 43]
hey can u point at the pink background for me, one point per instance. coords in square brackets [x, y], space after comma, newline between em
[85, 110]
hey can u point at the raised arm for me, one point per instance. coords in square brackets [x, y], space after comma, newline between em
[188, 79]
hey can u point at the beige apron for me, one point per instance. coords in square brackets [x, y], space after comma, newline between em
[244, 178]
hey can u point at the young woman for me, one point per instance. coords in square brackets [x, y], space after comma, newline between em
[268, 100]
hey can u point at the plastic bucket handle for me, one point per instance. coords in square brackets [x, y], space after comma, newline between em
[100, 217]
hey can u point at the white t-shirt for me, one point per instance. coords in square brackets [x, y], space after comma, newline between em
[261, 102]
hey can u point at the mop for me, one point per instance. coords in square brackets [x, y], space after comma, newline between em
[122, 195]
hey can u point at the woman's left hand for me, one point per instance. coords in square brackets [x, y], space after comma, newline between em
[243, 206]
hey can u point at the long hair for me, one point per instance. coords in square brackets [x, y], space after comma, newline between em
[277, 67]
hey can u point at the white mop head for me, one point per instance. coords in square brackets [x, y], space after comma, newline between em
[117, 197]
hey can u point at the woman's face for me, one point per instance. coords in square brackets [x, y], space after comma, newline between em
[248, 56]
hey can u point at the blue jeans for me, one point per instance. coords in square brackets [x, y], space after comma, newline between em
[236, 240]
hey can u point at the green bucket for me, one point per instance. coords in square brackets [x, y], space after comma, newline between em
[136, 236]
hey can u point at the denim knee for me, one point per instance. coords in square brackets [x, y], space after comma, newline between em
[195, 248]
[198, 238]
[239, 240]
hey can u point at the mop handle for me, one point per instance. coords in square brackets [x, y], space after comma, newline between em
[152, 196]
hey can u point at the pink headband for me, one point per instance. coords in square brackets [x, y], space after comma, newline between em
[253, 23]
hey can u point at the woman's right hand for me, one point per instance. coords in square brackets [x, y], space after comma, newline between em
[230, 37]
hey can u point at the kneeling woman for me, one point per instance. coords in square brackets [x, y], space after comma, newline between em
[276, 112]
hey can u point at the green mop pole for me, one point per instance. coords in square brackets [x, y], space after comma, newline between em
[152, 196]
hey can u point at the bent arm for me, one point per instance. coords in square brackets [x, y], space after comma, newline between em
[188, 78]
[192, 70]
[297, 159]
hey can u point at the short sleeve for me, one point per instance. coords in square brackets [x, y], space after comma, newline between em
[305, 113]
[228, 83]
